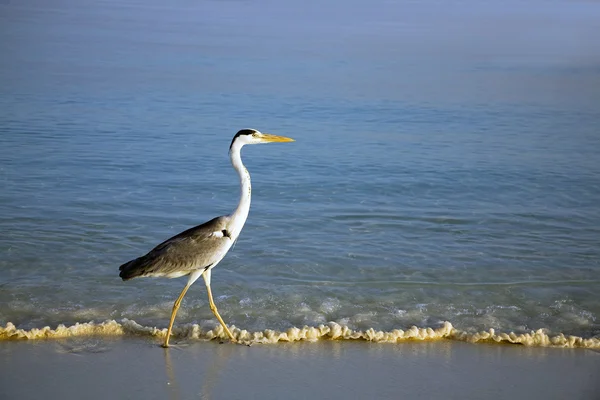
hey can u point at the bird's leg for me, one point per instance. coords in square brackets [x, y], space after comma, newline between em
[213, 307]
[193, 276]
[174, 312]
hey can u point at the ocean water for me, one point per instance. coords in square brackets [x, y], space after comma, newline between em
[445, 172]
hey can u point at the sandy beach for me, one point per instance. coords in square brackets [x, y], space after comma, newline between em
[120, 368]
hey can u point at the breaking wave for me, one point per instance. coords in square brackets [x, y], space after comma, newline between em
[330, 331]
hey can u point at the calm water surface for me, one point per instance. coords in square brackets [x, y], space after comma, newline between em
[446, 166]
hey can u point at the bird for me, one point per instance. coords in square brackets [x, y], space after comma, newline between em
[196, 251]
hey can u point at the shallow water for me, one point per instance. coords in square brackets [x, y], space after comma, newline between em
[445, 167]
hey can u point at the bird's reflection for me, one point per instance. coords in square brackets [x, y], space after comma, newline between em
[215, 369]
[209, 379]
[173, 385]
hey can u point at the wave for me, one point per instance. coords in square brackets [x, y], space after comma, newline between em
[330, 331]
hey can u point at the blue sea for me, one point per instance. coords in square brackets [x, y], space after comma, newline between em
[445, 168]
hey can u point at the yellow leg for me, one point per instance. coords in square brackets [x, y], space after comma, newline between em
[174, 312]
[213, 307]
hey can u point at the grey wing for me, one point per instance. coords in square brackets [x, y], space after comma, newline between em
[196, 248]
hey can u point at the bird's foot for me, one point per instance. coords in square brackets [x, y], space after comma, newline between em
[177, 346]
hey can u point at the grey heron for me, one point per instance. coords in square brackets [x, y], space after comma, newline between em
[196, 251]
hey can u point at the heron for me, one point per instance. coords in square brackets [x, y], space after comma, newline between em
[196, 251]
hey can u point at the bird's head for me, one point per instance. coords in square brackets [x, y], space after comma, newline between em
[252, 136]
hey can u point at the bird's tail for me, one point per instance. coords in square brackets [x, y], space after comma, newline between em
[130, 269]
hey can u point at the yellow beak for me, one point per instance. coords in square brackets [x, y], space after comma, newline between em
[274, 138]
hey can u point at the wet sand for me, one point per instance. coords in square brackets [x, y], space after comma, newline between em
[119, 368]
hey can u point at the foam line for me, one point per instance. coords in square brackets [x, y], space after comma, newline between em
[331, 331]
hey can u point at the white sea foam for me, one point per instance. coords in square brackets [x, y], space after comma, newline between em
[330, 331]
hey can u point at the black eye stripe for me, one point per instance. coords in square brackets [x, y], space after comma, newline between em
[240, 133]
[245, 132]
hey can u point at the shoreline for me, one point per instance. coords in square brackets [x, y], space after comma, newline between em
[137, 367]
[331, 331]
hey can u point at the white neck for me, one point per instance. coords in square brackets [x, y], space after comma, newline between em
[238, 217]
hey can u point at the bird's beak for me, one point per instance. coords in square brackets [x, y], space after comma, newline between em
[267, 138]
